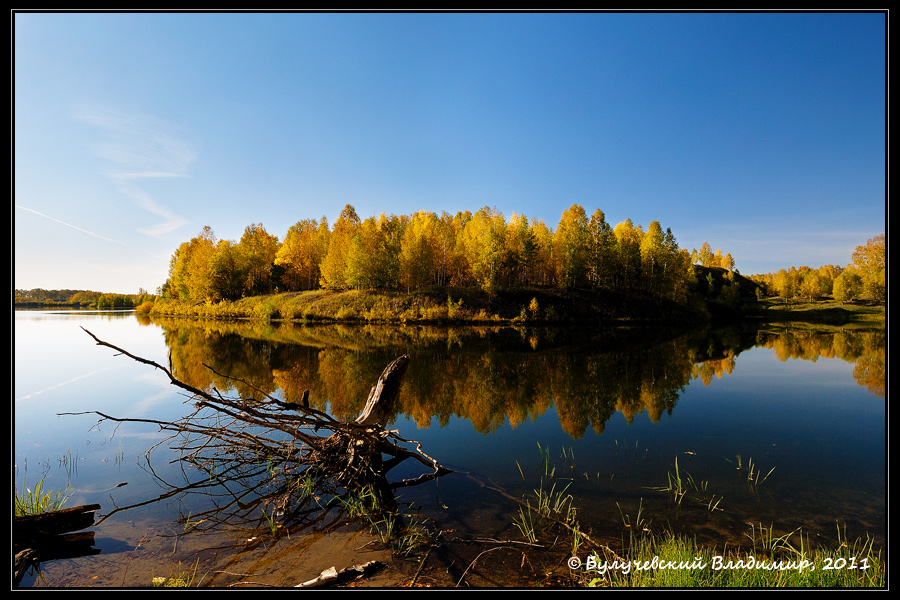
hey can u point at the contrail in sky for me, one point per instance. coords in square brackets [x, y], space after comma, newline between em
[143, 148]
[70, 225]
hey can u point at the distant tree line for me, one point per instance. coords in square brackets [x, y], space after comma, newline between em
[864, 278]
[42, 297]
[427, 250]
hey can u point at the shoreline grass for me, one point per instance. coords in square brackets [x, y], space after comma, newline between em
[675, 561]
[665, 559]
[441, 306]
[39, 500]
[534, 306]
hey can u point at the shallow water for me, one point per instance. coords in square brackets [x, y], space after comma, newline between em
[609, 415]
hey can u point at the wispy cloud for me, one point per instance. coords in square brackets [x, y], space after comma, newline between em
[142, 147]
[170, 222]
[96, 235]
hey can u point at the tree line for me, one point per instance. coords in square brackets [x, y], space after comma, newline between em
[427, 250]
[42, 297]
[864, 277]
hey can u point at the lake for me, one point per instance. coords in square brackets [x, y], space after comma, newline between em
[781, 428]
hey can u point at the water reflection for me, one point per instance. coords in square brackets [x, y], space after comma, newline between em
[492, 376]
[865, 350]
[487, 396]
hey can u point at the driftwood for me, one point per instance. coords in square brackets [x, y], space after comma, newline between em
[331, 575]
[262, 446]
[48, 536]
[27, 528]
[380, 404]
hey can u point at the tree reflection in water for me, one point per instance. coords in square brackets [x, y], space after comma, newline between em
[260, 460]
[491, 376]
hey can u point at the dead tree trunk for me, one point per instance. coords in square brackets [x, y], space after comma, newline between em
[241, 437]
[380, 404]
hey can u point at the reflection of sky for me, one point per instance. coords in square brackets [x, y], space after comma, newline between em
[60, 369]
[809, 419]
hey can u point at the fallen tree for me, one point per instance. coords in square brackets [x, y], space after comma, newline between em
[277, 451]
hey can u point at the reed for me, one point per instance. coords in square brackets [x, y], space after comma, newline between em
[676, 486]
[272, 522]
[39, 500]
[670, 560]
[525, 524]
[640, 524]
[180, 578]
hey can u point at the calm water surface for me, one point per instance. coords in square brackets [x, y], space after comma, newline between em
[613, 414]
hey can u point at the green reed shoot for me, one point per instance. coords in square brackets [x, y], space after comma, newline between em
[525, 524]
[180, 579]
[639, 522]
[39, 500]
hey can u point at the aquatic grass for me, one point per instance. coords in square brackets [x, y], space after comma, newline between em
[671, 560]
[400, 539]
[639, 522]
[525, 524]
[189, 524]
[120, 454]
[180, 578]
[39, 500]
[272, 522]
[386, 525]
[676, 486]
[753, 475]
[553, 503]
[766, 540]
[69, 461]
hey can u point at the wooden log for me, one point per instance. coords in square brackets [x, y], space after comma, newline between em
[380, 404]
[46, 536]
[28, 527]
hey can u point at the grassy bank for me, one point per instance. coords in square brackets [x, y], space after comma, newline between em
[673, 561]
[824, 312]
[442, 305]
[548, 306]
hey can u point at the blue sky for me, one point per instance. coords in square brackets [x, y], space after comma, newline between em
[762, 134]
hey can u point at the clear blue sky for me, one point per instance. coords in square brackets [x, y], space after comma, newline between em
[762, 134]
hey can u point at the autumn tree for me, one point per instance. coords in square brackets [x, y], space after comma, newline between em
[601, 251]
[571, 248]
[705, 256]
[870, 263]
[189, 268]
[810, 285]
[484, 241]
[259, 249]
[628, 245]
[847, 286]
[372, 259]
[521, 251]
[418, 251]
[653, 258]
[334, 266]
[447, 259]
[678, 271]
[300, 254]
[786, 283]
[228, 272]
[827, 275]
[544, 270]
